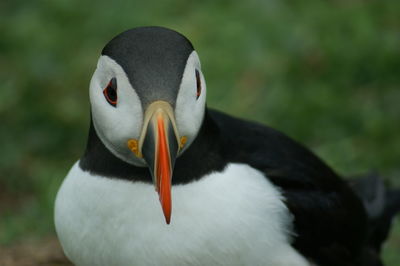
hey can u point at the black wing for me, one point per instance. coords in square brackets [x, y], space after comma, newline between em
[329, 219]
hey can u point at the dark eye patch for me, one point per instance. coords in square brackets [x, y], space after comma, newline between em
[198, 84]
[110, 92]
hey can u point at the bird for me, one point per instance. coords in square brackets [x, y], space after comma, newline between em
[165, 180]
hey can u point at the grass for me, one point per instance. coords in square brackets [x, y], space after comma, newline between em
[324, 72]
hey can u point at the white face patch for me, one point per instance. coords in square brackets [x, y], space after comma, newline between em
[189, 109]
[116, 125]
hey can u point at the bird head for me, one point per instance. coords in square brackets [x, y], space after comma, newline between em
[147, 98]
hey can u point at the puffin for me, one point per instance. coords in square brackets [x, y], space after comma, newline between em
[164, 180]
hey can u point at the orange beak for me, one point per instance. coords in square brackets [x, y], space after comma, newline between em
[163, 170]
[159, 146]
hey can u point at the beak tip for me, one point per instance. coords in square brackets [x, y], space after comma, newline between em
[167, 213]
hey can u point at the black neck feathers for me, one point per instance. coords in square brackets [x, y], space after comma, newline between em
[202, 157]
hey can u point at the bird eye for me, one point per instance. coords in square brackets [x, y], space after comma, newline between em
[198, 84]
[110, 92]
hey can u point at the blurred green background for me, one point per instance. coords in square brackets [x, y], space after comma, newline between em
[326, 73]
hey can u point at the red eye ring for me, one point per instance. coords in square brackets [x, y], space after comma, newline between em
[198, 84]
[110, 92]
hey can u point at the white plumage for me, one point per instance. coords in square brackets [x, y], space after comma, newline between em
[104, 221]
